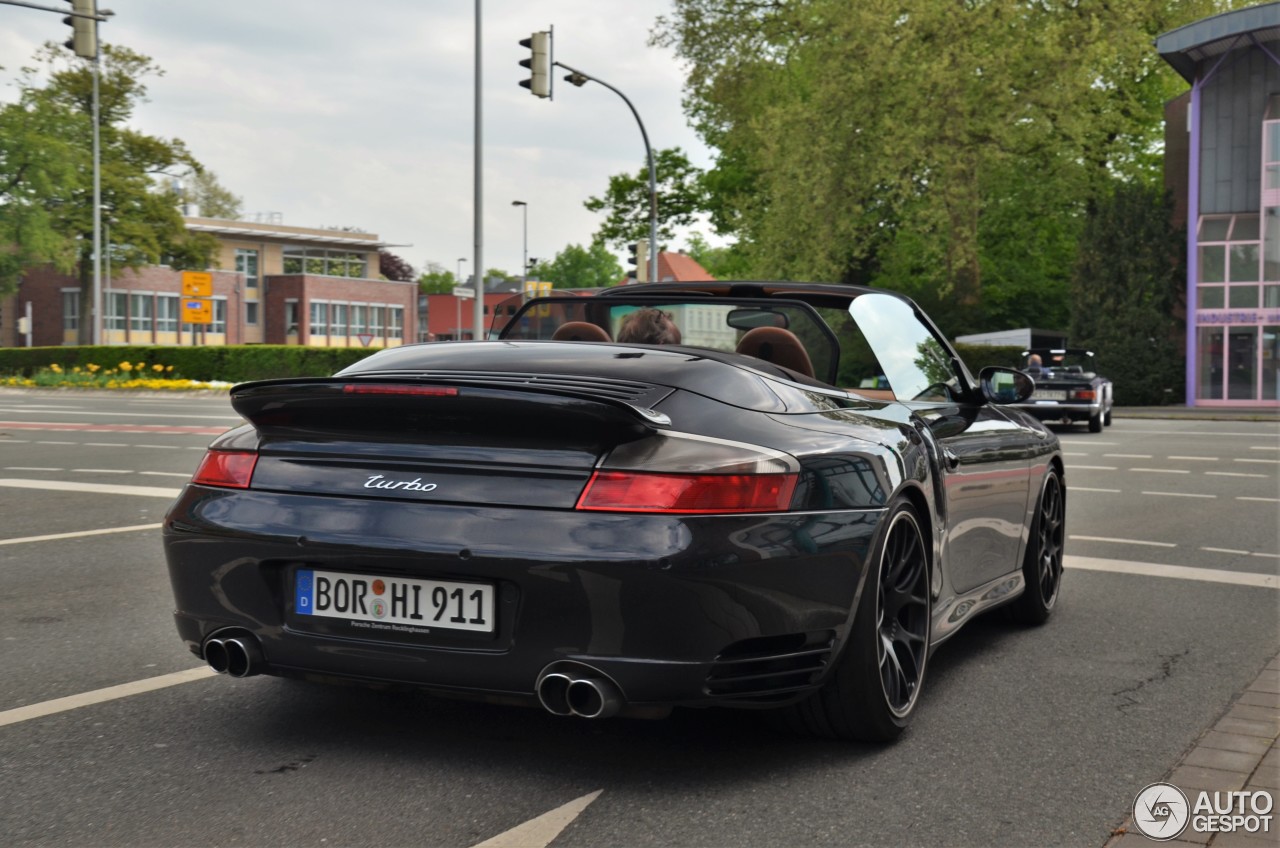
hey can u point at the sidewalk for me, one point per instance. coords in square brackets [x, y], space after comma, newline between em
[1240, 752]
[1200, 413]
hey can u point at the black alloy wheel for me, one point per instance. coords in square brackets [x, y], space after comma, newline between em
[1042, 566]
[876, 684]
[902, 614]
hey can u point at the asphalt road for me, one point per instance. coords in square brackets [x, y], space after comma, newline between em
[1024, 737]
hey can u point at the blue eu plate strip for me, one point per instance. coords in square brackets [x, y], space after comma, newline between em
[302, 601]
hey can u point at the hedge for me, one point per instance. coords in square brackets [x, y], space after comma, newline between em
[239, 363]
[230, 363]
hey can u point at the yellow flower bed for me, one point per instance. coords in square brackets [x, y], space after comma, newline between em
[126, 375]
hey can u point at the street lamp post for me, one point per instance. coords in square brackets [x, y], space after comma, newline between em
[524, 267]
[457, 300]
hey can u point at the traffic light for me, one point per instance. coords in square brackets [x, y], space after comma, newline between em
[84, 37]
[640, 258]
[538, 63]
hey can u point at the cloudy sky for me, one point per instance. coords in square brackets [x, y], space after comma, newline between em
[361, 113]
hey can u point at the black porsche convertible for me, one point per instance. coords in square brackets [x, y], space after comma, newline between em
[763, 495]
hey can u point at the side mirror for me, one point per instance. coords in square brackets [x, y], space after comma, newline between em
[1005, 385]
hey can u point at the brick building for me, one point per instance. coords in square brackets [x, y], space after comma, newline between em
[271, 284]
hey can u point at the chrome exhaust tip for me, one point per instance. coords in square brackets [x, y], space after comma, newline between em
[553, 693]
[244, 657]
[215, 654]
[235, 655]
[592, 697]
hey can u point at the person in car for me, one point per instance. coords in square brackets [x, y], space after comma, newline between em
[649, 326]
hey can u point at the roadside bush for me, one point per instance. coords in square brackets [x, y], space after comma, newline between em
[229, 363]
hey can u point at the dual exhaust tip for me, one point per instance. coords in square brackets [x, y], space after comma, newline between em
[586, 693]
[237, 656]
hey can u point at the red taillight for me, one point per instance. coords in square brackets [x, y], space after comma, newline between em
[230, 469]
[1083, 394]
[632, 491]
[384, 389]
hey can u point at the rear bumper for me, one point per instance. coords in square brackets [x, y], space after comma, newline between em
[1055, 411]
[674, 609]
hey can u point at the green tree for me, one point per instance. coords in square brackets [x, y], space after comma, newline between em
[147, 224]
[577, 267]
[681, 198]
[860, 139]
[723, 263]
[1127, 279]
[212, 198]
[37, 163]
[437, 279]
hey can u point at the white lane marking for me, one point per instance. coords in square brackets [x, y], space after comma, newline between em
[539, 832]
[1234, 474]
[1266, 447]
[1263, 500]
[161, 447]
[1196, 458]
[1076, 453]
[1178, 495]
[55, 443]
[1162, 470]
[79, 534]
[1225, 551]
[1124, 541]
[1083, 489]
[98, 696]
[14, 441]
[102, 470]
[1085, 440]
[1268, 556]
[1091, 467]
[1178, 572]
[181, 474]
[96, 488]
[1259, 461]
[105, 445]
[29, 468]
[1128, 455]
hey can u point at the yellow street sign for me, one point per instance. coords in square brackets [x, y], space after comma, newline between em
[197, 312]
[197, 284]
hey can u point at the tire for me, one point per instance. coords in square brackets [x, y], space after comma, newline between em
[874, 689]
[1095, 423]
[1106, 418]
[1042, 564]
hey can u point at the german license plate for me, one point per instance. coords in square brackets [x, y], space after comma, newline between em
[399, 603]
[1048, 394]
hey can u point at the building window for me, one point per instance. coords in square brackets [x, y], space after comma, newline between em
[140, 317]
[168, 306]
[70, 310]
[328, 263]
[251, 313]
[290, 317]
[377, 320]
[247, 264]
[359, 319]
[117, 306]
[319, 324]
[338, 327]
[219, 324]
[395, 322]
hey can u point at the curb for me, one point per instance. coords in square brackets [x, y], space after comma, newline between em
[1240, 751]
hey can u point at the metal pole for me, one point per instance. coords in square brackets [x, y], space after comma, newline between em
[478, 223]
[97, 209]
[524, 267]
[648, 151]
